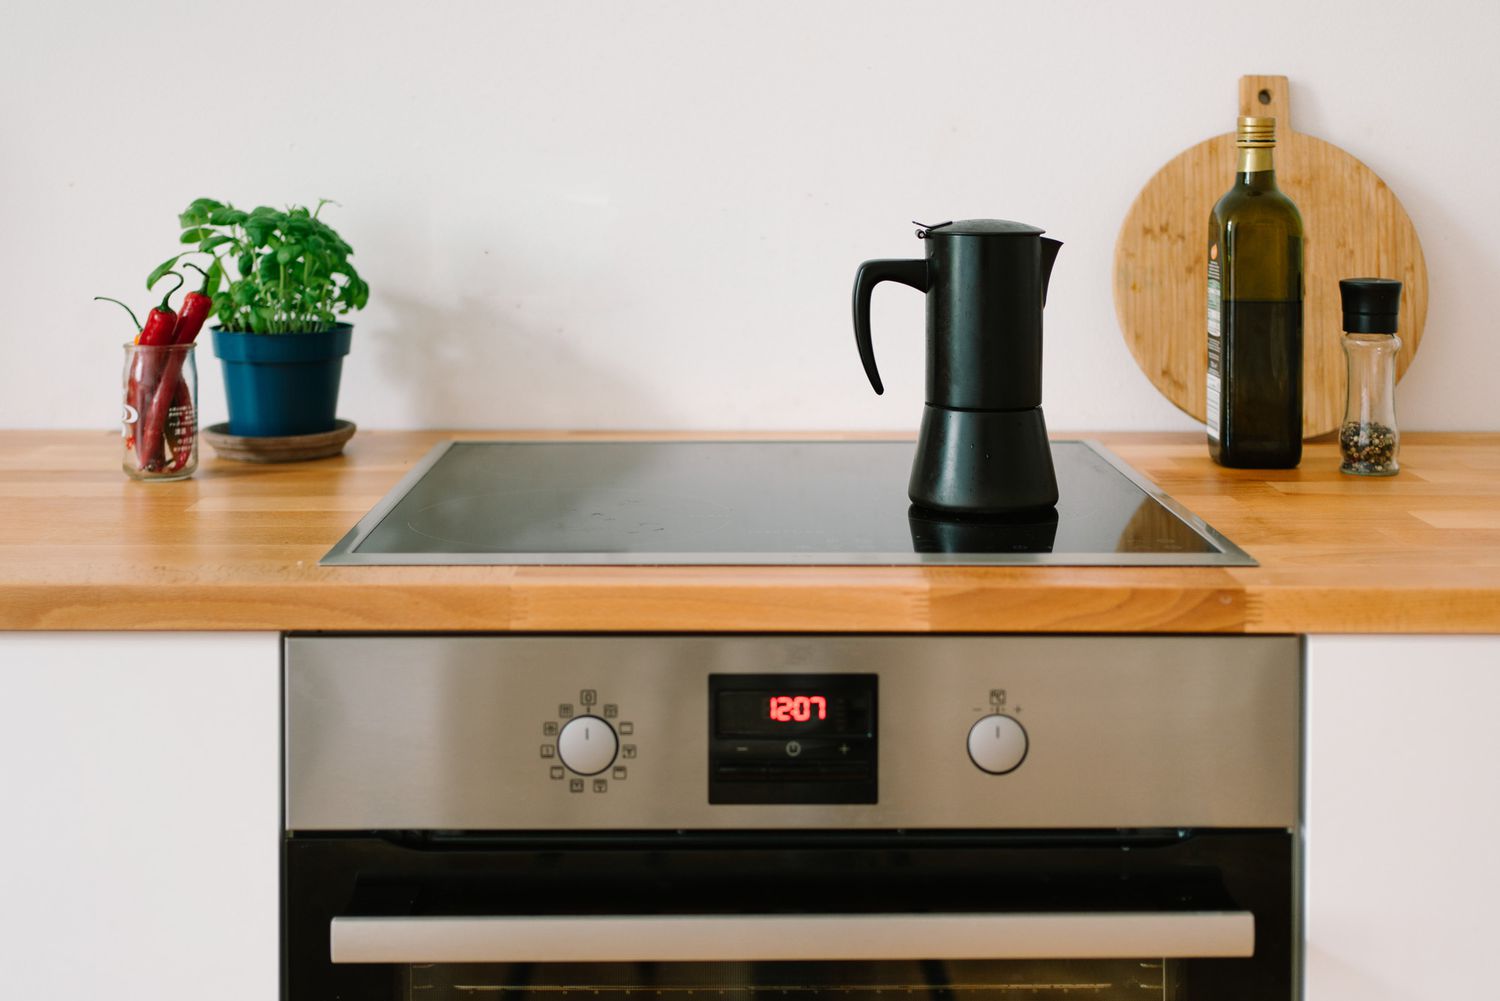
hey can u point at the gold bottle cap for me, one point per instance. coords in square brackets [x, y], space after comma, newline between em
[1255, 132]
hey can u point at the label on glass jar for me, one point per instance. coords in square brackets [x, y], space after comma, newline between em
[182, 432]
[1215, 342]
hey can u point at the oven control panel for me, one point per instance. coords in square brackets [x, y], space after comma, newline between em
[586, 746]
[639, 732]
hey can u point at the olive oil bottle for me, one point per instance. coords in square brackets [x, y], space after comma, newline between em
[1255, 313]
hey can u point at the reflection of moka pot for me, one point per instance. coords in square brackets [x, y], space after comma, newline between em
[983, 444]
[1026, 532]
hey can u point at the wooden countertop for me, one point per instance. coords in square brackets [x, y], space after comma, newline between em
[237, 547]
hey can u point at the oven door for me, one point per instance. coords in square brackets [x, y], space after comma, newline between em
[970, 916]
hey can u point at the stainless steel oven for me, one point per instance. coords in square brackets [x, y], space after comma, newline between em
[802, 818]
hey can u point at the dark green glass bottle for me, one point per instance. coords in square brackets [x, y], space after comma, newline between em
[1255, 314]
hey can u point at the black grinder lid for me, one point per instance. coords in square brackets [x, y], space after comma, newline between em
[1370, 304]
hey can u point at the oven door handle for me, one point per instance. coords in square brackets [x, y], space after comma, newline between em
[772, 937]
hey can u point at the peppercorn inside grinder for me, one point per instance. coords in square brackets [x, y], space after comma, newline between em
[982, 448]
[1368, 438]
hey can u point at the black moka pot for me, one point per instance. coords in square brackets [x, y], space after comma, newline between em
[983, 444]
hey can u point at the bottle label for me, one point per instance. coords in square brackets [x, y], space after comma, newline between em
[1215, 342]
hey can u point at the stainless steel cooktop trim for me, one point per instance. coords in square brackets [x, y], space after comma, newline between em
[1232, 555]
[346, 551]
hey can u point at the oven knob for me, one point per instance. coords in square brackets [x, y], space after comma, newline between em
[997, 744]
[587, 745]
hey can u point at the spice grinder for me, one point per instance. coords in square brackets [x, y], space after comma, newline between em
[982, 448]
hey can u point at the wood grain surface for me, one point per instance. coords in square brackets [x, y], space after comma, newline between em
[237, 546]
[1355, 228]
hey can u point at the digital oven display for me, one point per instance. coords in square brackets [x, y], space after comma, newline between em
[796, 708]
[792, 738]
[835, 706]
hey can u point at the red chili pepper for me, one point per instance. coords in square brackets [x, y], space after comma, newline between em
[140, 401]
[183, 446]
[161, 322]
[158, 331]
[196, 307]
[163, 395]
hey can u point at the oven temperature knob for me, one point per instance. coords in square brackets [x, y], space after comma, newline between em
[587, 745]
[997, 744]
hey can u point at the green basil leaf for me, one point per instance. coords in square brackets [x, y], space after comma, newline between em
[226, 216]
[215, 279]
[198, 212]
[195, 234]
[161, 269]
[215, 241]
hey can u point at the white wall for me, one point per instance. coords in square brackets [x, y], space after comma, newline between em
[648, 214]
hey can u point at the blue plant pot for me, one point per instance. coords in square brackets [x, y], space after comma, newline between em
[282, 384]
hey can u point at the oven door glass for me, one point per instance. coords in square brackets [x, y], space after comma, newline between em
[1103, 980]
[982, 917]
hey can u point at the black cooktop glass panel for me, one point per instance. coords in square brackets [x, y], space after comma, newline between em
[747, 502]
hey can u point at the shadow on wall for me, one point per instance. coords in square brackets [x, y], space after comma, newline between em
[1447, 374]
[472, 364]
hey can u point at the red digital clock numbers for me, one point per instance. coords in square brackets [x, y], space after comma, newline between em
[797, 708]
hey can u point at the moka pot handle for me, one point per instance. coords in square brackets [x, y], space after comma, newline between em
[870, 274]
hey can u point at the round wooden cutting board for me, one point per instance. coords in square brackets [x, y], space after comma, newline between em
[1355, 229]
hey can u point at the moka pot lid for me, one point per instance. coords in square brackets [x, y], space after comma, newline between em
[977, 227]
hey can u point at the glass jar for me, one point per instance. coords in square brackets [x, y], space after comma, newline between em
[160, 412]
[1368, 437]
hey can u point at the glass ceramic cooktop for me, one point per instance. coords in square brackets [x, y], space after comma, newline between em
[754, 502]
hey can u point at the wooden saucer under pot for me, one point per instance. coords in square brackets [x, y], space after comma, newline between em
[290, 448]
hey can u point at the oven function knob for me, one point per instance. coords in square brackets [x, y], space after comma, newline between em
[997, 744]
[587, 745]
